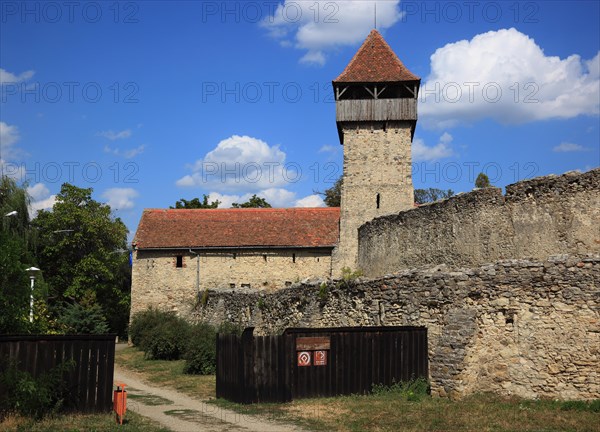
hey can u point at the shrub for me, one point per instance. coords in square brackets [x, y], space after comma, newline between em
[35, 397]
[76, 319]
[143, 323]
[167, 340]
[201, 354]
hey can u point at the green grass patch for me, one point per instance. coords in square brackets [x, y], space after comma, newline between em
[168, 373]
[81, 423]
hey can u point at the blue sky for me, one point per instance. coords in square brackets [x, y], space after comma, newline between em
[150, 102]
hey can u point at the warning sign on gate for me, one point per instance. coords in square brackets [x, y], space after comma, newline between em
[320, 358]
[304, 358]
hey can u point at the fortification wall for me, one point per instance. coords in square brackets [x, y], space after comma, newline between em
[516, 327]
[535, 219]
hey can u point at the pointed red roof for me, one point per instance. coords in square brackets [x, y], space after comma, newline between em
[375, 61]
[232, 228]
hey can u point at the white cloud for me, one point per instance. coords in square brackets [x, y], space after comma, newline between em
[322, 26]
[7, 77]
[120, 198]
[42, 204]
[566, 147]
[38, 191]
[111, 135]
[9, 135]
[240, 164]
[504, 75]
[334, 149]
[420, 151]
[310, 201]
[127, 154]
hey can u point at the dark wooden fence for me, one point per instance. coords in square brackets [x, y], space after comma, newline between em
[89, 383]
[318, 362]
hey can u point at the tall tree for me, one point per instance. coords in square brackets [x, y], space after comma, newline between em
[423, 196]
[482, 181]
[83, 254]
[253, 202]
[195, 203]
[16, 254]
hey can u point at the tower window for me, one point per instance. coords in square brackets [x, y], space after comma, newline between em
[265, 258]
[378, 200]
[179, 261]
[293, 258]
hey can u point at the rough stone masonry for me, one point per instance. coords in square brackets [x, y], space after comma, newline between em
[515, 327]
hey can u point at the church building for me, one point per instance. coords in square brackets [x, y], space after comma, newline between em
[179, 253]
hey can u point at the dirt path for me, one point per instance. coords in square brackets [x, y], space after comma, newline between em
[181, 413]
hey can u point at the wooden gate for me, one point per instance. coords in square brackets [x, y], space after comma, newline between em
[305, 362]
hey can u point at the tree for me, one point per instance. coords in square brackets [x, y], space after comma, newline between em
[195, 203]
[482, 181]
[333, 195]
[82, 252]
[423, 196]
[16, 254]
[253, 202]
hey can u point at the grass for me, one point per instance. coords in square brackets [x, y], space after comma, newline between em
[395, 408]
[81, 423]
[167, 373]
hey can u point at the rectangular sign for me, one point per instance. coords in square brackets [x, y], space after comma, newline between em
[320, 358]
[313, 343]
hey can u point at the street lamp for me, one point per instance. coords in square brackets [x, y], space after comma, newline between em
[33, 271]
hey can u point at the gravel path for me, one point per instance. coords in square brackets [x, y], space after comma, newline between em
[180, 413]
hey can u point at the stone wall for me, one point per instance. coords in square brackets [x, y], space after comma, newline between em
[516, 327]
[158, 282]
[535, 219]
[377, 180]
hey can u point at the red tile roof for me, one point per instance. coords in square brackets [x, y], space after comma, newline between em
[284, 227]
[375, 61]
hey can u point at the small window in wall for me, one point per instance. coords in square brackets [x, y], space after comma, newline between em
[234, 255]
[231, 285]
[265, 258]
[378, 200]
[179, 261]
[293, 258]
[246, 285]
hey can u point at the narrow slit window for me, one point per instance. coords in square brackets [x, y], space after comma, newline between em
[179, 261]
[293, 258]
[378, 200]
[265, 258]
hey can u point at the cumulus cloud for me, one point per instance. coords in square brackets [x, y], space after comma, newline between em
[240, 163]
[504, 75]
[318, 27]
[120, 198]
[566, 147]
[112, 135]
[333, 149]
[6, 77]
[277, 197]
[421, 152]
[310, 201]
[9, 135]
[41, 199]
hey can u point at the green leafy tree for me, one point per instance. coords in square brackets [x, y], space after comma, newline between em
[423, 196]
[76, 319]
[16, 254]
[82, 252]
[253, 202]
[482, 181]
[195, 203]
[333, 196]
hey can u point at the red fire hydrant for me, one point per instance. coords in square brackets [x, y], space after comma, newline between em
[120, 401]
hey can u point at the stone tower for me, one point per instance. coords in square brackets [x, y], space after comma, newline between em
[376, 115]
